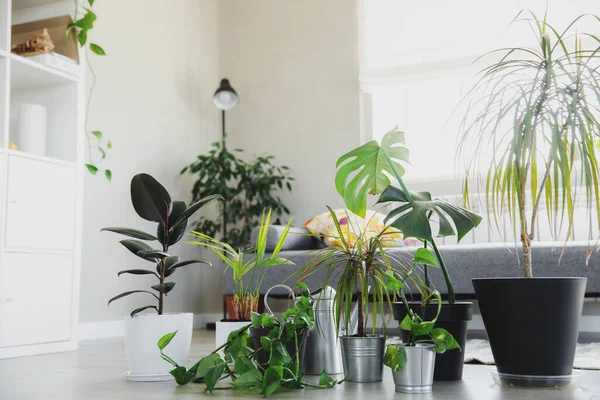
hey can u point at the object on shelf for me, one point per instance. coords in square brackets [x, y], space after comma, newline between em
[57, 61]
[40, 43]
[56, 28]
[32, 128]
[12, 146]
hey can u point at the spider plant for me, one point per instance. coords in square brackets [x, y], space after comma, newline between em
[247, 262]
[362, 267]
[533, 116]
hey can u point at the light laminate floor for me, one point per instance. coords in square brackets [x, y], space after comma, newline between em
[95, 372]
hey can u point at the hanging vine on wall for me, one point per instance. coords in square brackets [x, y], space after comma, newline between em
[97, 145]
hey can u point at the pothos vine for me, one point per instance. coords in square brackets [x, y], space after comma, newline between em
[97, 145]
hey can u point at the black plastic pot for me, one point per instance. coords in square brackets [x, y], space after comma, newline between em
[454, 318]
[532, 324]
[262, 357]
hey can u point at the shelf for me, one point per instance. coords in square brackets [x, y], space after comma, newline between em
[27, 74]
[36, 157]
[3, 54]
[21, 4]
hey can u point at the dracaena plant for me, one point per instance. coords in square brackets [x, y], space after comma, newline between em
[242, 364]
[533, 116]
[252, 262]
[362, 267]
[152, 202]
[367, 170]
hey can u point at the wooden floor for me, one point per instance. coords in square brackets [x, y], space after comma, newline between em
[95, 372]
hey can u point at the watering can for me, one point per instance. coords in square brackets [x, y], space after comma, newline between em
[322, 350]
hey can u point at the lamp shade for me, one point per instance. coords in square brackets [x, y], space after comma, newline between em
[225, 98]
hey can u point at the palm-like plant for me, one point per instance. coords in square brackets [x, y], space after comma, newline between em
[244, 262]
[534, 113]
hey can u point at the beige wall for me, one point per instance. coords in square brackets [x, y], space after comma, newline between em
[153, 99]
[294, 65]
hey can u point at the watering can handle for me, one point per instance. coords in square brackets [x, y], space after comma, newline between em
[267, 308]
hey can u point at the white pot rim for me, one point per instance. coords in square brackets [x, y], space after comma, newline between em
[156, 315]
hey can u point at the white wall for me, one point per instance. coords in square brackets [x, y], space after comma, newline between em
[294, 65]
[153, 99]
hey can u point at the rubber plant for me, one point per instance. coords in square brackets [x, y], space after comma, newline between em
[240, 363]
[367, 170]
[152, 202]
[80, 28]
[533, 115]
[248, 262]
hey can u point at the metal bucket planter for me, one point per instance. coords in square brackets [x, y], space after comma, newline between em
[363, 358]
[417, 374]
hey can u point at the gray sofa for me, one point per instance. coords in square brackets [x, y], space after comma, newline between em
[463, 261]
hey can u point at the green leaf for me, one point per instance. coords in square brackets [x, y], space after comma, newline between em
[256, 319]
[109, 144]
[136, 272]
[91, 168]
[363, 170]
[243, 364]
[134, 233]
[392, 283]
[411, 216]
[164, 288]
[82, 37]
[152, 255]
[98, 134]
[426, 257]
[191, 210]
[179, 208]
[206, 364]
[422, 328]
[272, 380]
[182, 375]
[326, 381]
[247, 380]
[175, 266]
[443, 340]
[117, 297]
[406, 324]
[150, 199]
[97, 49]
[395, 357]
[102, 153]
[267, 321]
[212, 376]
[165, 340]
[91, 2]
[135, 246]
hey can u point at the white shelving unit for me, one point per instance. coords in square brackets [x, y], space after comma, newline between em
[40, 196]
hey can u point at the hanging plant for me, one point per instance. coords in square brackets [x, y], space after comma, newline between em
[97, 144]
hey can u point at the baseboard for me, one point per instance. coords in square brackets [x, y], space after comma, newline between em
[35, 349]
[116, 328]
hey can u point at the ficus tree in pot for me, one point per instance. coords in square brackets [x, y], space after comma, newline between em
[532, 128]
[367, 170]
[152, 202]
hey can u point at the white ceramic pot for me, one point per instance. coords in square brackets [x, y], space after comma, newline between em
[142, 333]
[224, 328]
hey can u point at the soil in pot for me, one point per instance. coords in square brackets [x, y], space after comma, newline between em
[363, 358]
[262, 356]
[454, 318]
[532, 325]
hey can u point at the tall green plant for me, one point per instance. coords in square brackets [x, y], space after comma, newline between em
[534, 117]
[248, 189]
[366, 169]
[247, 262]
[152, 202]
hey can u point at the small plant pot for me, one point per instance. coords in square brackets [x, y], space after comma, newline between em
[417, 374]
[223, 328]
[142, 333]
[262, 356]
[455, 319]
[363, 358]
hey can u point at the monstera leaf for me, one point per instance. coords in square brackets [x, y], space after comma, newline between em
[363, 170]
[411, 217]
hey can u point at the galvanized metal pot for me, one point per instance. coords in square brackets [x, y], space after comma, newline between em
[417, 374]
[363, 358]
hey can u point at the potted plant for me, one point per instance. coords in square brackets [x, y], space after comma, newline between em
[361, 266]
[262, 369]
[152, 202]
[248, 187]
[536, 136]
[245, 266]
[366, 170]
[412, 362]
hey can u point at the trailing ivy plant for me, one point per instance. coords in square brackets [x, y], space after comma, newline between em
[240, 359]
[247, 187]
[152, 202]
[96, 140]
[420, 331]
